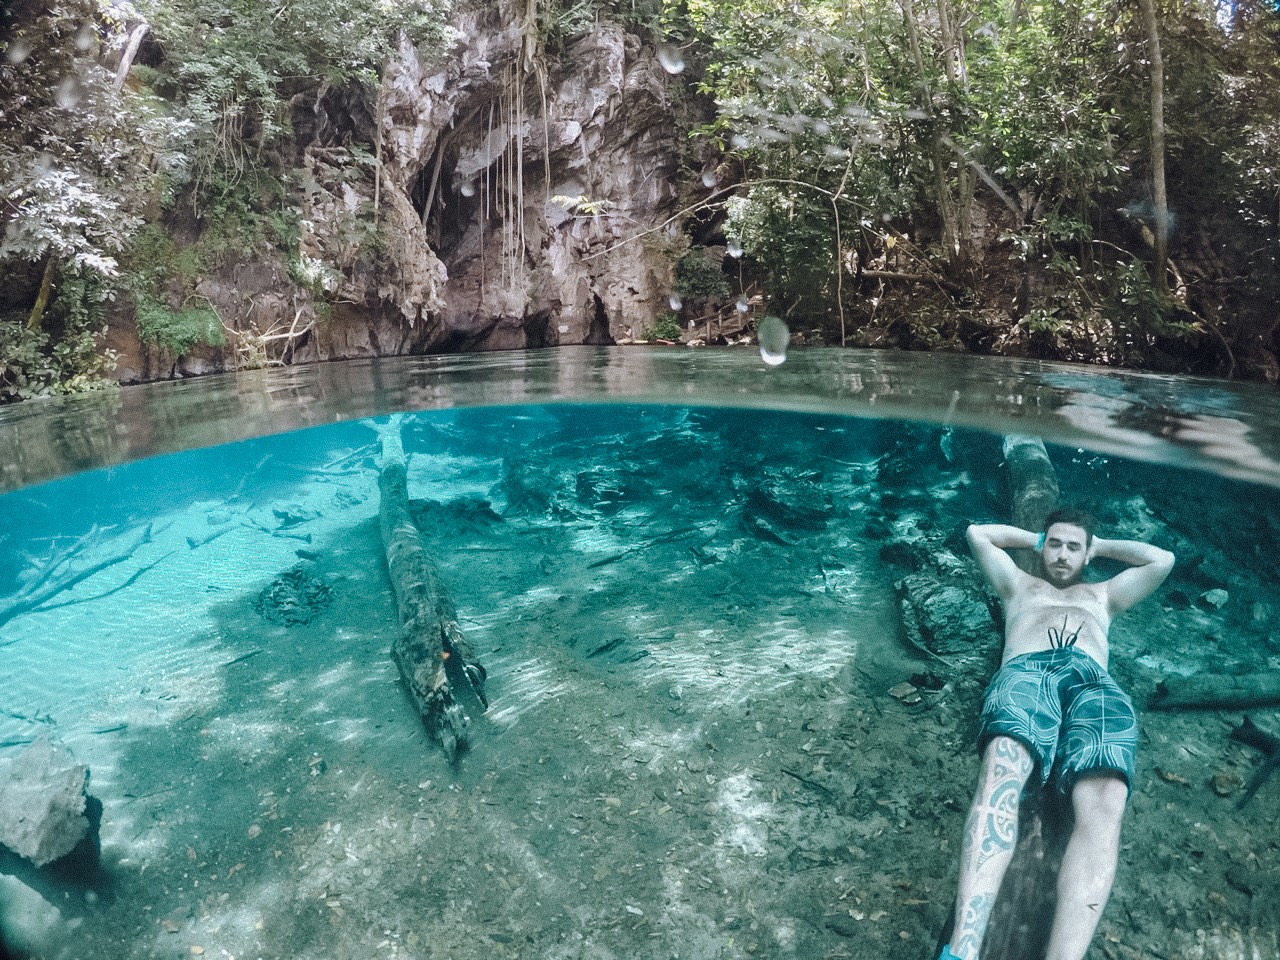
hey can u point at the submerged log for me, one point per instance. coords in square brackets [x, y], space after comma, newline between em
[1254, 736]
[1033, 487]
[1216, 691]
[430, 651]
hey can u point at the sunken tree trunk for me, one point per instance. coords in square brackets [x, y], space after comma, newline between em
[432, 655]
[1033, 489]
[1019, 926]
[1217, 691]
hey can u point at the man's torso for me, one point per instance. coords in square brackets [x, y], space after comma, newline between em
[1041, 616]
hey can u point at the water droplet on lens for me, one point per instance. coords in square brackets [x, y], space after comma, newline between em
[739, 142]
[675, 301]
[84, 37]
[67, 93]
[670, 58]
[773, 337]
[734, 249]
[709, 178]
[468, 189]
[742, 306]
[18, 51]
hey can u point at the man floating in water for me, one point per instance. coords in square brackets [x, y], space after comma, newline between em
[1052, 706]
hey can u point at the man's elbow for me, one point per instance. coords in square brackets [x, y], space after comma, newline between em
[1163, 561]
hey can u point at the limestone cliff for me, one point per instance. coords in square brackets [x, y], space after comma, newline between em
[486, 198]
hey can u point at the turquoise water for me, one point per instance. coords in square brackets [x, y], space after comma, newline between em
[696, 742]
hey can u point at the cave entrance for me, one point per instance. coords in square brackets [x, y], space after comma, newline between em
[598, 333]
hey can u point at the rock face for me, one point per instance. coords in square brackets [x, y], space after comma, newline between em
[43, 803]
[527, 181]
[480, 202]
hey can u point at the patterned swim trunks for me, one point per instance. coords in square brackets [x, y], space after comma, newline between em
[1067, 710]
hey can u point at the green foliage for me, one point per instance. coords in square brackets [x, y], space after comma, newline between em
[700, 278]
[789, 235]
[898, 116]
[667, 327]
[233, 66]
[178, 331]
[79, 163]
[63, 355]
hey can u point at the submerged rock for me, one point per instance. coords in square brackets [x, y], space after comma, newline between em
[296, 596]
[945, 618]
[43, 803]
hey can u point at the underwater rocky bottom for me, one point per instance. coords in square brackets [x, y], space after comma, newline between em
[734, 666]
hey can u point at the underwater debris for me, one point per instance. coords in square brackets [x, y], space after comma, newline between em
[293, 597]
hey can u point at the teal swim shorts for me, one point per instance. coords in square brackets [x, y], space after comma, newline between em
[1067, 710]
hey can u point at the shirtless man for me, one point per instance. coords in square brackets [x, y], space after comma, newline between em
[1053, 707]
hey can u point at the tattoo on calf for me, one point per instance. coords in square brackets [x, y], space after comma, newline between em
[973, 925]
[992, 828]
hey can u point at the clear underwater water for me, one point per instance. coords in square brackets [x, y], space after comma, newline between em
[691, 618]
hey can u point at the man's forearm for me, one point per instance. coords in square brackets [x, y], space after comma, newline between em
[1135, 553]
[1004, 536]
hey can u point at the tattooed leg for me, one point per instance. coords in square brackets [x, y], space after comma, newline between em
[989, 838]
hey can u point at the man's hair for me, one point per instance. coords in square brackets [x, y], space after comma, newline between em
[1075, 517]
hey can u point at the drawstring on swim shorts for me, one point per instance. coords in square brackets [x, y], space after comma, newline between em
[1059, 639]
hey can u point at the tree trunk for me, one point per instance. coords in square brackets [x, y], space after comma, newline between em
[42, 298]
[954, 199]
[130, 52]
[1214, 691]
[1159, 196]
[430, 651]
[1033, 488]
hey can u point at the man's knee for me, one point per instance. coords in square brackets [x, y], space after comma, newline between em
[1007, 757]
[1099, 800]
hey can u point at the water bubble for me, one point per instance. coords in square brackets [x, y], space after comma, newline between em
[709, 178]
[792, 124]
[468, 189]
[675, 301]
[18, 51]
[670, 58]
[67, 93]
[773, 337]
[734, 248]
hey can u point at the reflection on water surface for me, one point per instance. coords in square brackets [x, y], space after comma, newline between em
[1227, 427]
